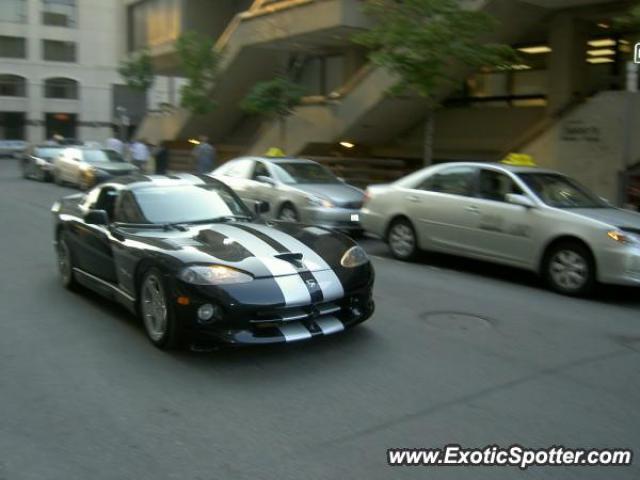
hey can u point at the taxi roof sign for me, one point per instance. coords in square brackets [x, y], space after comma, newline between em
[275, 152]
[519, 160]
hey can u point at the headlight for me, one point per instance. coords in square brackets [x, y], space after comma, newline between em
[320, 202]
[623, 237]
[88, 170]
[213, 275]
[354, 257]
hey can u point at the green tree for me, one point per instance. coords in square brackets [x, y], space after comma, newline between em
[137, 71]
[629, 21]
[200, 63]
[423, 41]
[276, 99]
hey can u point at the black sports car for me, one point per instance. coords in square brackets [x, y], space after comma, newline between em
[187, 255]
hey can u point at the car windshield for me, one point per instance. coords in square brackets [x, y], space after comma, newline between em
[304, 172]
[560, 191]
[47, 153]
[188, 204]
[98, 156]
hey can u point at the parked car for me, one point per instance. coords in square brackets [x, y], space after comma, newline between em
[12, 148]
[297, 190]
[85, 166]
[37, 161]
[526, 217]
[200, 268]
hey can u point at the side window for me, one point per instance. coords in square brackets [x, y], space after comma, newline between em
[495, 186]
[127, 209]
[454, 181]
[91, 198]
[107, 201]
[240, 169]
[260, 171]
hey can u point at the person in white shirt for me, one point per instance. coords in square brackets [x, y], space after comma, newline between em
[140, 154]
[114, 144]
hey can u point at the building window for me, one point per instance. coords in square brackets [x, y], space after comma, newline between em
[13, 47]
[12, 86]
[59, 13]
[14, 11]
[57, 51]
[62, 88]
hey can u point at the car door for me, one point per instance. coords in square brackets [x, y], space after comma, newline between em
[94, 253]
[442, 208]
[236, 176]
[258, 187]
[501, 230]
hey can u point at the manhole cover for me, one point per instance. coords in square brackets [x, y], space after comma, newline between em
[456, 321]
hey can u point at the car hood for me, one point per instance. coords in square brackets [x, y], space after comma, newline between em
[114, 167]
[261, 249]
[613, 216]
[338, 193]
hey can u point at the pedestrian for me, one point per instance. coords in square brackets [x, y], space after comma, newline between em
[115, 144]
[205, 155]
[140, 154]
[162, 157]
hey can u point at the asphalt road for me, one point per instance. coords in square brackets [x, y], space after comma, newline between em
[83, 394]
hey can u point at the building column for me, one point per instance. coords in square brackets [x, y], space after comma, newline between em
[567, 70]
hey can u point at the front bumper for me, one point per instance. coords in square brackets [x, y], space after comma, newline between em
[619, 265]
[347, 219]
[259, 321]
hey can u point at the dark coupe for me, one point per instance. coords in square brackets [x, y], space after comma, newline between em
[200, 268]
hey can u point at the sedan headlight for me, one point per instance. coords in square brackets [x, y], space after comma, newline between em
[354, 257]
[320, 202]
[623, 237]
[213, 275]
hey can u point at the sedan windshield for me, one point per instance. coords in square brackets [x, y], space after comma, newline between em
[98, 156]
[561, 192]
[188, 204]
[47, 153]
[304, 172]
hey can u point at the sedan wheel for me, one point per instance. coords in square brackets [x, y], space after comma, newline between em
[569, 270]
[65, 264]
[155, 311]
[402, 240]
[288, 214]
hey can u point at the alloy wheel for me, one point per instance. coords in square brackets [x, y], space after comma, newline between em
[65, 266]
[402, 240]
[154, 307]
[288, 214]
[569, 270]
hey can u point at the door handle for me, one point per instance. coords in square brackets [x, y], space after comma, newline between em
[413, 198]
[472, 209]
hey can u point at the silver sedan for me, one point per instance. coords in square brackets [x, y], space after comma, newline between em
[526, 217]
[297, 190]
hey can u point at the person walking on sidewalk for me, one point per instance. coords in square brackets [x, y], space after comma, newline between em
[140, 154]
[161, 155]
[205, 155]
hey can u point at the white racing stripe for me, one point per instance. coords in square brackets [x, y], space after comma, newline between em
[329, 325]
[326, 277]
[294, 331]
[293, 288]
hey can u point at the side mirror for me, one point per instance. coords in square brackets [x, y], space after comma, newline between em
[267, 180]
[518, 199]
[96, 217]
[261, 207]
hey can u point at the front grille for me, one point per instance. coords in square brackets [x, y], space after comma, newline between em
[284, 315]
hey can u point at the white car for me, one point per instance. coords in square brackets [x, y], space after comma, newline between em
[85, 167]
[526, 217]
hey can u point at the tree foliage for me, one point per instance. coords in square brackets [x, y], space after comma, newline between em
[137, 71]
[421, 40]
[200, 64]
[275, 98]
[629, 21]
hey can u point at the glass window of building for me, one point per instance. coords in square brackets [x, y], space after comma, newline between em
[12, 86]
[59, 13]
[62, 88]
[58, 51]
[13, 47]
[14, 11]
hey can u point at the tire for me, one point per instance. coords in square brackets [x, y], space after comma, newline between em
[156, 311]
[569, 269]
[65, 263]
[288, 213]
[402, 240]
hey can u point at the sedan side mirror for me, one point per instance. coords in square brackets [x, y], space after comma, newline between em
[518, 199]
[265, 179]
[261, 207]
[96, 217]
